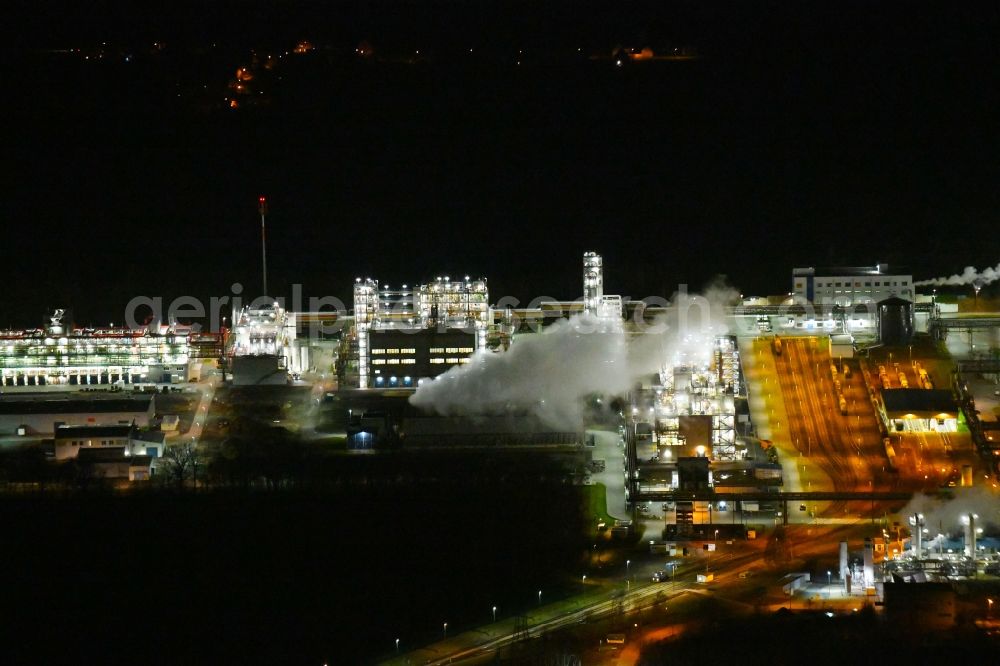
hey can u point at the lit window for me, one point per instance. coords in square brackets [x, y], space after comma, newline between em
[378, 351]
[463, 360]
[378, 361]
[453, 359]
[465, 350]
[452, 350]
[437, 361]
[393, 361]
[437, 350]
[392, 350]
[408, 350]
[409, 361]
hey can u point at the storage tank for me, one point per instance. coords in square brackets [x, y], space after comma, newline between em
[895, 321]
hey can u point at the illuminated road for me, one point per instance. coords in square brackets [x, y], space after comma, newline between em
[477, 645]
[207, 390]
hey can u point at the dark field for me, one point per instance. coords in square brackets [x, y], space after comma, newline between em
[306, 576]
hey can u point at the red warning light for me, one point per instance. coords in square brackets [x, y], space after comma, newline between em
[262, 205]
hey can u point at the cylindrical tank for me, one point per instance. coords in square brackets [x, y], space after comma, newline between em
[895, 321]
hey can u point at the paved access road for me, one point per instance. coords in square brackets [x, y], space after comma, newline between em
[474, 646]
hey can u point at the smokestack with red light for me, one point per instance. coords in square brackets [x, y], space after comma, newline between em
[262, 209]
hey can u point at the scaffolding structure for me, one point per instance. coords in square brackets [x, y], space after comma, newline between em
[707, 391]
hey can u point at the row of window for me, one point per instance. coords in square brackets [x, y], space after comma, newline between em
[904, 292]
[433, 350]
[394, 361]
[453, 360]
[81, 442]
[879, 283]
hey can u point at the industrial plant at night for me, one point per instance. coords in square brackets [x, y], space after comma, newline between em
[385, 332]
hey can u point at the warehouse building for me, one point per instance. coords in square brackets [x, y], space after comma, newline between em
[71, 441]
[919, 410]
[37, 415]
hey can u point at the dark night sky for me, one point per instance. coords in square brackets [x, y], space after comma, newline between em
[833, 133]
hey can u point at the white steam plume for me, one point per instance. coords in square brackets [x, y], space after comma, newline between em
[549, 373]
[968, 277]
[945, 515]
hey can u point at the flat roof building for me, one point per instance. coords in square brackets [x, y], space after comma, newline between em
[114, 464]
[70, 441]
[920, 410]
[41, 414]
[850, 285]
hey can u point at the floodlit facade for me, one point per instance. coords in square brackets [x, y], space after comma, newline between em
[403, 336]
[60, 354]
[850, 285]
[268, 333]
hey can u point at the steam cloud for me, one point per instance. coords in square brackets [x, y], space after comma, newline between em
[968, 277]
[548, 374]
[945, 515]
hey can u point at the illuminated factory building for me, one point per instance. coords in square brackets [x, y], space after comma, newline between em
[60, 354]
[403, 336]
[846, 286]
[265, 348]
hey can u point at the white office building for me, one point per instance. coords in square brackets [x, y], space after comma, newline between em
[850, 285]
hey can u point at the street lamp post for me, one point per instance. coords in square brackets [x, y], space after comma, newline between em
[539, 597]
[494, 613]
[584, 579]
[446, 630]
[627, 564]
[397, 646]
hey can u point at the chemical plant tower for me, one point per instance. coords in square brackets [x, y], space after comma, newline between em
[593, 281]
